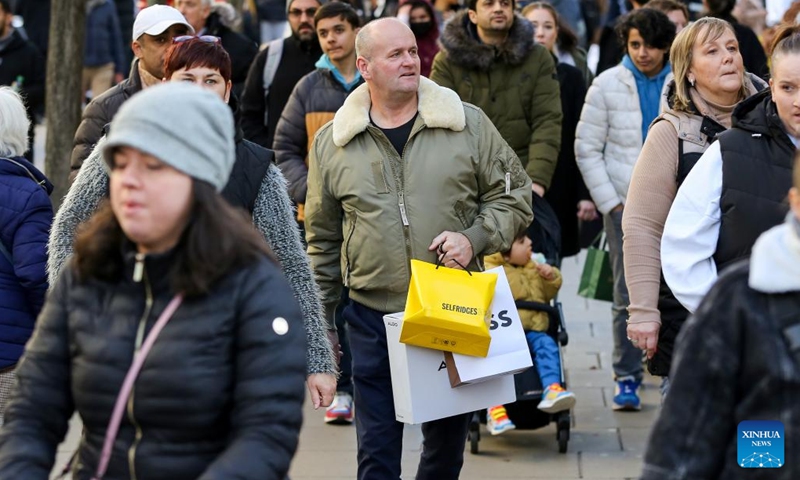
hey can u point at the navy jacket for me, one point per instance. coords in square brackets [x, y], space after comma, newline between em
[104, 38]
[25, 218]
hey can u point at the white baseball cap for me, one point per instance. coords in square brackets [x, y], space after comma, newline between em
[156, 19]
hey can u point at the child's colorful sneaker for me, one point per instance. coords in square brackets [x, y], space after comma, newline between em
[340, 411]
[626, 397]
[556, 399]
[497, 420]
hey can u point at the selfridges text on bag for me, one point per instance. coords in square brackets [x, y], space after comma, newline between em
[421, 386]
[508, 352]
[448, 309]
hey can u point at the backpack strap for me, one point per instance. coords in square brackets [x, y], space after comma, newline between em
[274, 54]
[127, 385]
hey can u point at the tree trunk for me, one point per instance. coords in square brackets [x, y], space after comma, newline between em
[63, 102]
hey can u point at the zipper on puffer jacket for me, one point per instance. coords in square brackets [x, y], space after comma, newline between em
[139, 275]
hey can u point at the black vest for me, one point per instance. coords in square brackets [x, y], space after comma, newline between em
[252, 162]
[757, 161]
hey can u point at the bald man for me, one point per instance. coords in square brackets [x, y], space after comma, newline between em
[378, 165]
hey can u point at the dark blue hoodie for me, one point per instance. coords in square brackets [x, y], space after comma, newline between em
[25, 218]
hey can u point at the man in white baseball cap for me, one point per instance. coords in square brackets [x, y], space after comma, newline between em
[153, 31]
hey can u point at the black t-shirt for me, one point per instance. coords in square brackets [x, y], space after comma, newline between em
[399, 136]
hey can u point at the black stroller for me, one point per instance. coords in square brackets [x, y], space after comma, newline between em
[545, 233]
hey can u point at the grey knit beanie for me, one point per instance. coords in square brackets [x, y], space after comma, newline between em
[183, 125]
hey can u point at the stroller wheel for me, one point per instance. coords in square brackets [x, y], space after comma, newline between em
[563, 440]
[474, 438]
[474, 435]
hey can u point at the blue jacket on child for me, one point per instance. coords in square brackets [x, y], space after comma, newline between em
[25, 218]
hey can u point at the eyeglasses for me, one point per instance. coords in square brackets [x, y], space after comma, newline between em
[296, 12]
[202, 38]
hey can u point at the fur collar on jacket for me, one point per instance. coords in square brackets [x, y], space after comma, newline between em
[464, 47]
[439, 107]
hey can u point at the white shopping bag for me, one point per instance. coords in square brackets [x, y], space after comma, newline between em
[421, 385]
[508, 351]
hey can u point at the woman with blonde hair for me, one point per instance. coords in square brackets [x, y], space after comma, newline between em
[737, 190]
[709, 81]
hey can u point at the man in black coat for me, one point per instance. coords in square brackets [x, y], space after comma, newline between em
[36, 14]
[299, 55]
[22, 67]
[208, 18]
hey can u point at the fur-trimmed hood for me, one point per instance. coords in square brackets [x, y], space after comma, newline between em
[439, 107]
[464, 48]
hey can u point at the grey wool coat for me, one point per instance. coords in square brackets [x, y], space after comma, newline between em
[272, 216]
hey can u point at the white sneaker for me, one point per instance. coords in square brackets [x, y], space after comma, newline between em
[341, 410]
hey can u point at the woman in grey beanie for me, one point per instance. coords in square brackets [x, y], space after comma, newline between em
[255, 185]
[172, 331]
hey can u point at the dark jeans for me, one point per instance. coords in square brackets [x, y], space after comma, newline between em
[345, 383]
[380, 436]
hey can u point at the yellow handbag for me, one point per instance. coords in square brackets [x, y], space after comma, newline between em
[448, 309]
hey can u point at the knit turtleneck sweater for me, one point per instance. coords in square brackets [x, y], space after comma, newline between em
[652, 190]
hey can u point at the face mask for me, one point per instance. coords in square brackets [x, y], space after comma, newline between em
[421, 28]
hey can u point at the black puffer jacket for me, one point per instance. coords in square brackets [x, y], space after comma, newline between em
[97, 115]
[219, 396]
[313, 103]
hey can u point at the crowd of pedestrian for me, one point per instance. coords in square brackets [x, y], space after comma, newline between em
[250, 183]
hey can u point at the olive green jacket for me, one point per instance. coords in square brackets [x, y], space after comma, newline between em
[369, 211]
[515, 84]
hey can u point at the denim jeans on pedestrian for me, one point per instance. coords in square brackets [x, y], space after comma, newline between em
[545, 352]
[380, 436]
[626, 359]
[345, 383]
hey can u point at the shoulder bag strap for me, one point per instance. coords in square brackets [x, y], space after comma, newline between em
[274, 54]
[127, 385]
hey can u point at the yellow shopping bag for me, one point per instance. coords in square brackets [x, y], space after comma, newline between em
[448, 309]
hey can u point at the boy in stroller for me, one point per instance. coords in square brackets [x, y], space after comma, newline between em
[538, 282]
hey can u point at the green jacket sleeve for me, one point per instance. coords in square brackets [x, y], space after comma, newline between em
[323, 222]
[546, 116]
[504, 190]
[440, 71]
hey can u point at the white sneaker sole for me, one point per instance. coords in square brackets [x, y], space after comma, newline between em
[559, 405]
[507, 428]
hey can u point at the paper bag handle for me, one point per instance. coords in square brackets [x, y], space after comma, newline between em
[439, 262]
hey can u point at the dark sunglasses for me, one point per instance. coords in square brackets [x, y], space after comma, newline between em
[296, 12]
[202, 38]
